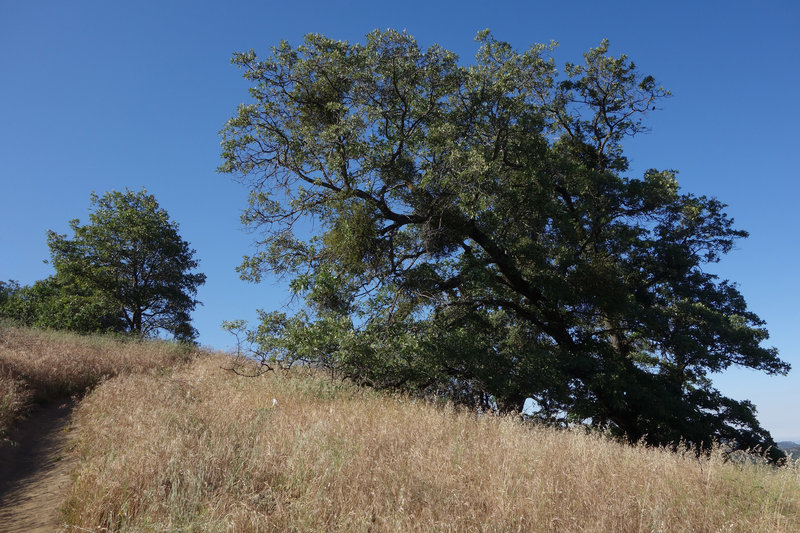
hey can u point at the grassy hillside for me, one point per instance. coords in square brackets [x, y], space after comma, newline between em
[38, 366]
[191, 447]
[204, 450]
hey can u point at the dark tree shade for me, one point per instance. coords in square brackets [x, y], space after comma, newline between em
[472, 231]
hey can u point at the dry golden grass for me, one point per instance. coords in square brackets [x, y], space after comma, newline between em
[37, 366]
[14, 399]
[203, 450]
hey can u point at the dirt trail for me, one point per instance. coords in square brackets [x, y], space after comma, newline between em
[34, 474]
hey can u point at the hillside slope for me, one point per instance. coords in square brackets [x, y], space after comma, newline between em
[39, 366]
[201, 449]
[39, 372]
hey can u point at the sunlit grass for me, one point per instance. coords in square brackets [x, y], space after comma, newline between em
[37, 365]
[203, 450]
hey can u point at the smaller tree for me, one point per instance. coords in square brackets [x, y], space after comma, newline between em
[132, 266]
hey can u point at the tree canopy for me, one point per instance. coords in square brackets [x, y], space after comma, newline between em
[127, 270]
[472, 231]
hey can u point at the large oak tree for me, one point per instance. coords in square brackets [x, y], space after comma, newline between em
[473, 231]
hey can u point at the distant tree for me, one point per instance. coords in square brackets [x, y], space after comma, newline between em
[52, 304]
[12, 302]
[7, 290]
[8, 296]
[129, 266]
[471, 231]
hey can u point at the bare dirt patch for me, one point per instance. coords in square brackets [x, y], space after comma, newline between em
[35, 471]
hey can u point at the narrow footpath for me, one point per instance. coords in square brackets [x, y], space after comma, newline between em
[35, 471]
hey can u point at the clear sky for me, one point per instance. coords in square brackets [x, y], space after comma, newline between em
[96, 95]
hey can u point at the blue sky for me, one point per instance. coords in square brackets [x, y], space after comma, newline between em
[96, 96]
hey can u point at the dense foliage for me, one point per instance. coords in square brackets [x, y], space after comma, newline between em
[471, 231]
[128, 270]
[53, 303]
